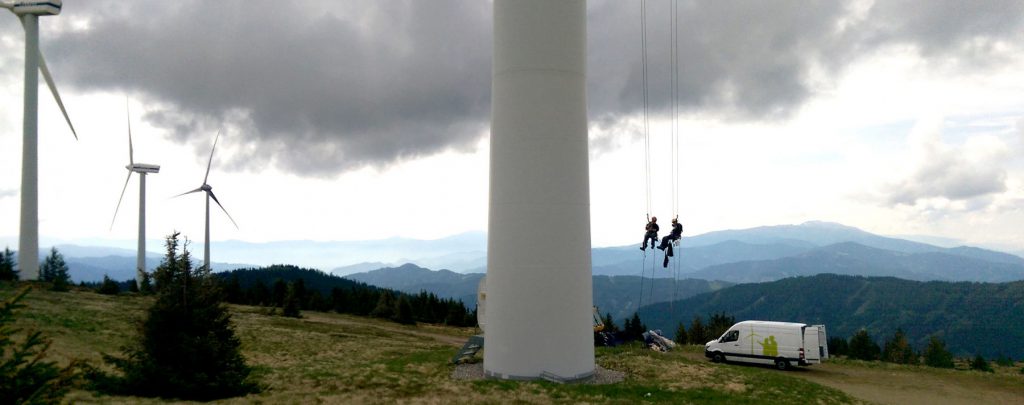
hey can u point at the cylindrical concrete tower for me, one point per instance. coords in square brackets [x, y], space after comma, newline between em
[539, 298]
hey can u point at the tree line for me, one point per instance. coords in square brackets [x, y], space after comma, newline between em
[897, 349]
[293, 288]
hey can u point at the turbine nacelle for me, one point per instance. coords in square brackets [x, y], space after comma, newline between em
[206, 187]
[143, 168]
[37, 7]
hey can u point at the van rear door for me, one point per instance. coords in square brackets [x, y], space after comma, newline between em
[812, 351]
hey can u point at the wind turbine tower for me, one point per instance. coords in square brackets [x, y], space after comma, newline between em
[28, 239]
[539, 296]
[142, 169]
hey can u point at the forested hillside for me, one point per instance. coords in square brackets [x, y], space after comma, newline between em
[984, 318]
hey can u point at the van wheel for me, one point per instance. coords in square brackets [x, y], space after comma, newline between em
[718, 358]
[781, 364]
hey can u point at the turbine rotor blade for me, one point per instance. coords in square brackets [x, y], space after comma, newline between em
[119, 199]
[210, 162]
[222, 208]
[131, 150]
[56, 95]
[189, 192]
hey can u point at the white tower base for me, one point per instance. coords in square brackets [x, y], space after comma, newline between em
[539, 297]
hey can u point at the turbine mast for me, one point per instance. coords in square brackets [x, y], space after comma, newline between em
[28, 242]
[539, 297]
[140, 260]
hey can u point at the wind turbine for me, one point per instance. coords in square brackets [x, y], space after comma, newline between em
[28, 239]
[142, 169]
[209, 194]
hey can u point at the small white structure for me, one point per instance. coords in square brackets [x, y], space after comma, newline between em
[539, 297]
[766, 342]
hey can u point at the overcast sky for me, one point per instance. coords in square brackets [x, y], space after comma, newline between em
[348, 120]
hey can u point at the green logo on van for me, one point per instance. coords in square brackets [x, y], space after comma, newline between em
[770, 346]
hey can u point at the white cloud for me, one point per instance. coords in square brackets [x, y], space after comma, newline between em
[8, 192]
[964, 175]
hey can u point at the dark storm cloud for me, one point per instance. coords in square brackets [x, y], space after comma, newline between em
[323, 88]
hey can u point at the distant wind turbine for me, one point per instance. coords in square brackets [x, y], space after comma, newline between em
[209, 194]
[28, 239]
[142, 169]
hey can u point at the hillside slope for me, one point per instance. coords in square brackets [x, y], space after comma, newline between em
[971, 317]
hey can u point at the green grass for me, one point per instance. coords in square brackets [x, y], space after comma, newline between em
[344, 359]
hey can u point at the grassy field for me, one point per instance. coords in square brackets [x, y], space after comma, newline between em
[333, 358]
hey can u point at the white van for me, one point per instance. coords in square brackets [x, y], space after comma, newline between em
[766, 342]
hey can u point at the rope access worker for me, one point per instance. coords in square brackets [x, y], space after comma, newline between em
[652, 233]
[677, 232]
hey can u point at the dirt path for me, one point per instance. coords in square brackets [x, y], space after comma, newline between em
[887, 386]
[890, 385]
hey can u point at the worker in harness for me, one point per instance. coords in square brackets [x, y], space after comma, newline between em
[651, 233]
[666, 242]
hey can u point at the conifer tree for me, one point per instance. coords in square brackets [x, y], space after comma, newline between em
[838, 346]
[697, 334]
[681, 336]
[187, 347]
[278, 292]
[290, 307]
[609, 323]
[146, 285]
[898, 350]
[635, 328]
[25, 377]
[862, 347]
[385, 306]
[404, 313]
[55, 270]
[133, 286]
[7, 264]
[108, 286]
[936, 354]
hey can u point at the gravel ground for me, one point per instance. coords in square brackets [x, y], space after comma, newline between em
[475, 371]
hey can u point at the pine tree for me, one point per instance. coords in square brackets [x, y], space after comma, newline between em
[635, 328]
[385, 306]
[838, 346]
[698, 334]
[133, 286]
[897, 349]
[146, 285]
[609, 323]
[681, 336]
[279, 290]
[108, 286]
[404, 313]
[7, 264]
[187, 348]
[290, 307]
[25, 377]
[862, 347]
[936, 354]
[55, 270]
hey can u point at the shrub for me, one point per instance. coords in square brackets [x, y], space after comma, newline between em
[187, 347]
[1004, 361]
[979, 363]
[24, 376]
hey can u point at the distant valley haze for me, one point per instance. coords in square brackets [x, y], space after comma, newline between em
[747, 255]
